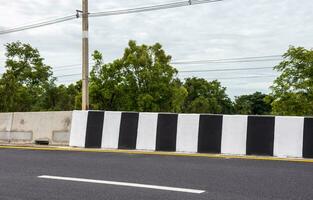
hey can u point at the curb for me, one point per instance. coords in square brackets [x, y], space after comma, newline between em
[136, 152]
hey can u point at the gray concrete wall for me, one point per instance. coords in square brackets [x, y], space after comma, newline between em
[5, 126]
[27, 127]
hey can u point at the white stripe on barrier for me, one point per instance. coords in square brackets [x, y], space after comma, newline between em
[78, 128]
[111, 129]
[147, 126]
[234, 134]
[187, 132]
[288, 136]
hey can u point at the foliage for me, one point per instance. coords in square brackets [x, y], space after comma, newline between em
[58, 98]
[206, 97]
[25, 79]
[28, 84]
[292, 91]
[254, 104]
[142, 80]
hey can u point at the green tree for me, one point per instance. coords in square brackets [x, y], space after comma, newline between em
[142, 80]
[254, 104]
[61, 98]
[28, 84]
[25, 79]
[206, 97]
[292, 91]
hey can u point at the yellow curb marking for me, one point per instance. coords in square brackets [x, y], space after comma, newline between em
[160, 153]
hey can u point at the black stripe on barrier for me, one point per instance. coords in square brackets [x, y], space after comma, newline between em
[166, 132]
[260, 135]
[308, 138]
[128, 131]
[94, 129]
[210, 133]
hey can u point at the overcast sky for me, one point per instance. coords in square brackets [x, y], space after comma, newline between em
[227, 29]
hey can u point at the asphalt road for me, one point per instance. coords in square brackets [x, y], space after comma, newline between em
[220, 178]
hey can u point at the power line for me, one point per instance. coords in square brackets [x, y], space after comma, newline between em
[223, 70]
[202, 70]
[238, 59]
[70, 66]
[76, 66]
[215, 70]
[232, 60]
[244, 77]
[228, 60]
[67, 75]
[222, 78]
[248, 57]
[50, 18]
[216, 62]
[151, 8]
[240, 77]
[108, 13]
[64, 67]
[37, 25]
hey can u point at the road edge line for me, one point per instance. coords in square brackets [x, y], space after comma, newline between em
[177, 154]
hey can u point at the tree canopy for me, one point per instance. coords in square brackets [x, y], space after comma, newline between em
[206, 97]
[254, 104]
[28, 84]
[144, 80]
[292, 91]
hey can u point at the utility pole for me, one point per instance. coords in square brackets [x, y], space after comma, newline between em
[85, 56]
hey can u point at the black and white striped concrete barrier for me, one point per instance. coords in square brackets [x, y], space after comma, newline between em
[202, 133]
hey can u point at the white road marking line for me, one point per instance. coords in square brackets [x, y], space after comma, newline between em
[157, 187]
